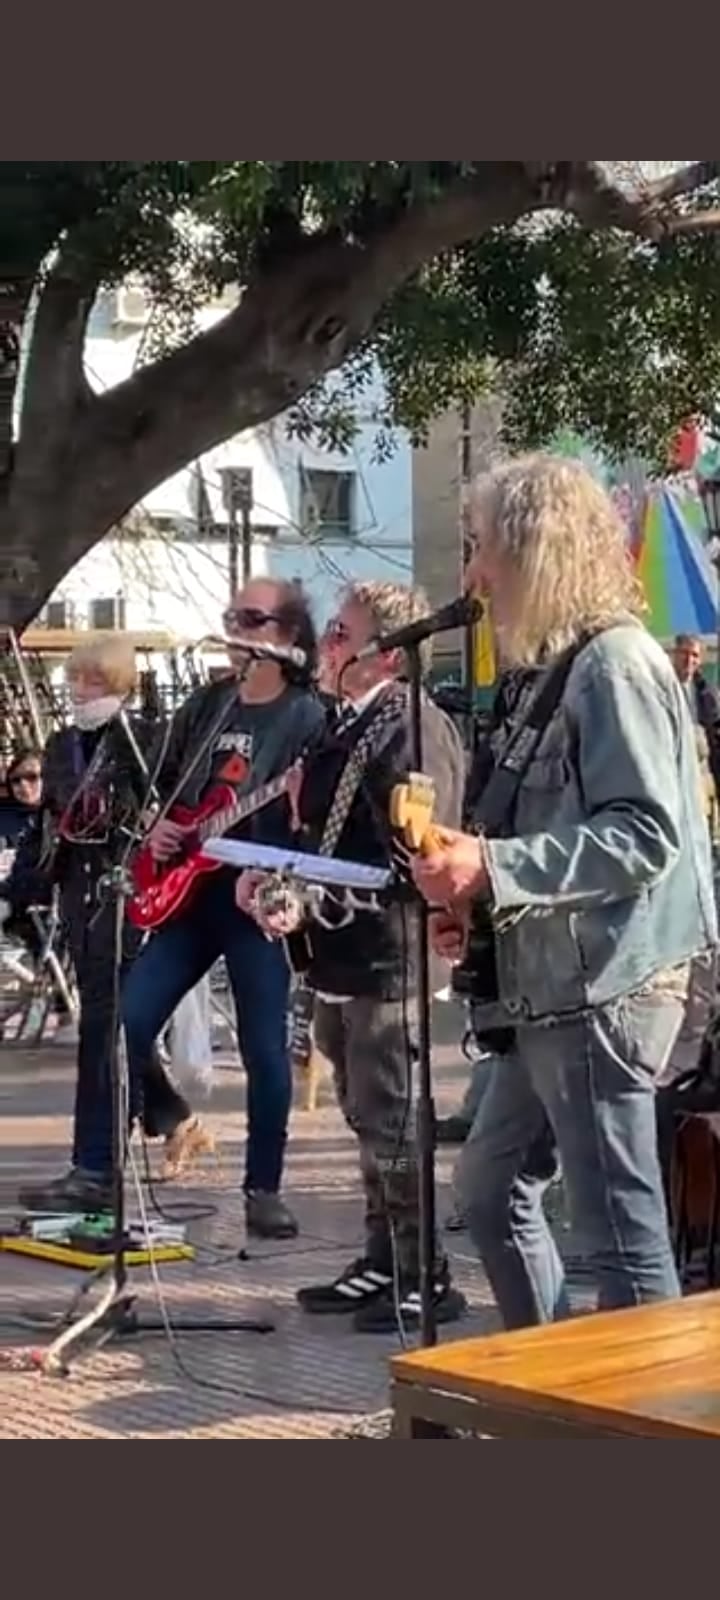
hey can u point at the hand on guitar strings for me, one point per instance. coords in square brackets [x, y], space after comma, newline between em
[166, 839]
[275, 909]
[453, 870]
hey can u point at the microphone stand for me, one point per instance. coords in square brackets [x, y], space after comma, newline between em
[115, 1314]
[425, 1108]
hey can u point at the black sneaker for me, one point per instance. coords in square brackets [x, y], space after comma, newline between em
[268, 1217]
[359, 1285]
[457, 1221]
[452, 1130]
[384, 1316]
[75, 1191]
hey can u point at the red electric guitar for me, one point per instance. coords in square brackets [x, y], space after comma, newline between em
[162, 888]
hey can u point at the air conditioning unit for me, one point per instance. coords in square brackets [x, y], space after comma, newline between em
[59, 614]
[131, 306]
[108, 612]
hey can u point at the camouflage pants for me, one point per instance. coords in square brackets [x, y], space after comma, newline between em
[371, 1051]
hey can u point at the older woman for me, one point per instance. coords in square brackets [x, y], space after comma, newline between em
[92, 786]
[584, 909]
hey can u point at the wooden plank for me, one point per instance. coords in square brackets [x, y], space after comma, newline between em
[61, 641]
[659, 1365]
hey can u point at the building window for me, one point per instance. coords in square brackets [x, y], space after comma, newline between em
[327, 503]
[108, 612]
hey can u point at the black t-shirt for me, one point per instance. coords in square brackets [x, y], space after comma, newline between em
[257, 742]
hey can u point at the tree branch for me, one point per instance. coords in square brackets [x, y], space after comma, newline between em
[293, 325]
[695, 175]
[648, 212]
[55, 388]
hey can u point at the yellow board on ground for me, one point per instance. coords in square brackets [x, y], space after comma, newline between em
[485, 665]
[64, 1255]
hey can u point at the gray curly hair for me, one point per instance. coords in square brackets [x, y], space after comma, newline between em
[390, 606]
[557, 533]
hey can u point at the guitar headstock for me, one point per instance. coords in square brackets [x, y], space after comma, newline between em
[411, 809]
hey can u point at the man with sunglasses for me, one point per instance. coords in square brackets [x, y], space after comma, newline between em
[268, 722]
[361, 971]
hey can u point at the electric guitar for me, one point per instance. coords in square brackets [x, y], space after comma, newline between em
[411, 812]
[163, 888]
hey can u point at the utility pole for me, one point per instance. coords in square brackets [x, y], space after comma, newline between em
[465, 544]
[237, 493]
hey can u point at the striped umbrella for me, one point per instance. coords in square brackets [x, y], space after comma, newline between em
[673, 565]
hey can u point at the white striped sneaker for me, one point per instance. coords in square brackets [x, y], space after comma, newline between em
[358, 1285]
[387, 1316]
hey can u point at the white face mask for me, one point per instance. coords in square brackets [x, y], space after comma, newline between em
[94, 714]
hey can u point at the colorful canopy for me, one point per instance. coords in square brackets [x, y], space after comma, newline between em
[673, 566]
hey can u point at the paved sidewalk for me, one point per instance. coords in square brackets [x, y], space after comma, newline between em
[310, 1378]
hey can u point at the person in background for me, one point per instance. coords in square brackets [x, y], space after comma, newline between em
[92, 789]
[23, 781]
[704, 705]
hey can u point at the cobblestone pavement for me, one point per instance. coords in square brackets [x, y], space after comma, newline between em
[311, 1378]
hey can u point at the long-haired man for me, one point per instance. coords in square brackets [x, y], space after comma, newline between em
[597, 887]
[269, 720]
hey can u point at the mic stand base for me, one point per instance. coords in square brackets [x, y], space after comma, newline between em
[115, 1315]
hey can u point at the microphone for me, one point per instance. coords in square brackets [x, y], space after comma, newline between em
[287, 654]
[457, 614]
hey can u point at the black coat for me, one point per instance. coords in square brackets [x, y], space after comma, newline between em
[707, 699]
[372, 955]
[43, 857]
[15, 819]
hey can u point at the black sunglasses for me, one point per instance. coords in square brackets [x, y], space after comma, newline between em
[246, 618]
[25, 777]
[337, 631]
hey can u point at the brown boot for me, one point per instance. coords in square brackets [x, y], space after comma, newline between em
[189, 1140]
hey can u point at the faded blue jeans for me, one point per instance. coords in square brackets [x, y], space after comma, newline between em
[590, 1083]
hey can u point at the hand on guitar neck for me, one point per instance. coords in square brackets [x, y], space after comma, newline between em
[411, 811]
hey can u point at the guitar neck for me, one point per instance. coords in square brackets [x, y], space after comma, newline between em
[230, 816]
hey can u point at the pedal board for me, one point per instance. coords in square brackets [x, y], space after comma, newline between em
[86, 1242]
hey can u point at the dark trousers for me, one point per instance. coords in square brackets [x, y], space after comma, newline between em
[171, 964]
[91, 937]
[367, 1044]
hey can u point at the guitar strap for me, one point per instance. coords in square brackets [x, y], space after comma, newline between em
[354, 771]
[349, 782]
[496, 803]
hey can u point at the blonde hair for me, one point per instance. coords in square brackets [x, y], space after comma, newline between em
[556, 530]
[111, 658]
[390, 606]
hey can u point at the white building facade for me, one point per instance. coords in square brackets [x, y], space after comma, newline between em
[321, 517]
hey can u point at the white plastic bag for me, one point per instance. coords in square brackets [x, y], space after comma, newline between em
[191, 1041]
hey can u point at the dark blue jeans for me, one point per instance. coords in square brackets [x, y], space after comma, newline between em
[173, 961]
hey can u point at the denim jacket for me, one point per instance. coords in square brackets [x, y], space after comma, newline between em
[607, 880]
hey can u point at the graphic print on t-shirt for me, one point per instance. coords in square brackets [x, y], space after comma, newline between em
[233, 757]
